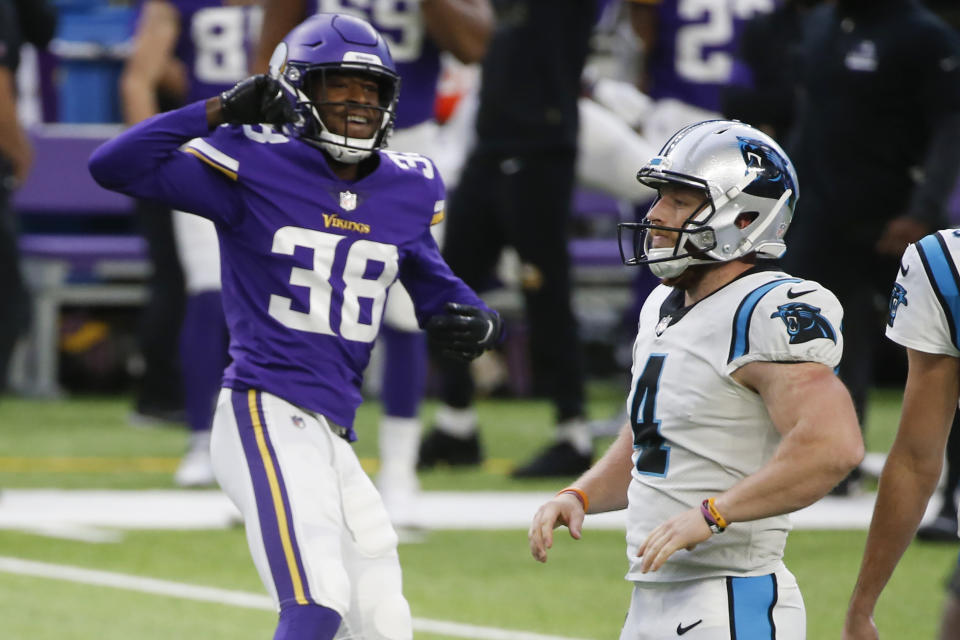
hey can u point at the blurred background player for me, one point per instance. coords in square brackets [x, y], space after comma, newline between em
[766, 92]
[315, 223]
[417, 33]
[689, 56]
[876, 178]
[516, 190]
[190, 49]
[20, 21]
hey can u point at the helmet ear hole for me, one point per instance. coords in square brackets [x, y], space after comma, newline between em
[745, 218]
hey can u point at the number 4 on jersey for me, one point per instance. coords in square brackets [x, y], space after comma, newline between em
[653, 456]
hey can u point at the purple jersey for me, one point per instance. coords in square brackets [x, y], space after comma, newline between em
[416, 56]
[696, 48]
[306, 258]
[215, 44]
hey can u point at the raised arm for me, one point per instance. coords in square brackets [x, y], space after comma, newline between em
[821, 443]
[145, 161]
[909, 478]
[462, 27]
[604, 485]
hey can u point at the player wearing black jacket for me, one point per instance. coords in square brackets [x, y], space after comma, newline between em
[877, 150]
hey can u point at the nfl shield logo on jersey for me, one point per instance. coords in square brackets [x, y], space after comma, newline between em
[348, 200]
[298, 422]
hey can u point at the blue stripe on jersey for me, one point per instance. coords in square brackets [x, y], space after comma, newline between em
[750, 602]
[942, 273]
[740, 340]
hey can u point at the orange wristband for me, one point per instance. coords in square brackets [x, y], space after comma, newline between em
[711, 506]
[581, 496]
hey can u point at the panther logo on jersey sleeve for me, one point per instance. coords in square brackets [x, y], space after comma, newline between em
[804, 322]
[897, 297]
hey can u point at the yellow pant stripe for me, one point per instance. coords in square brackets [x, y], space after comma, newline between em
[277, 499]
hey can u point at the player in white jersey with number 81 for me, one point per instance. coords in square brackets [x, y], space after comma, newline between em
[735, 415]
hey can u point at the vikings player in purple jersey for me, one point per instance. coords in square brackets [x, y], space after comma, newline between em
[315, 223]
[417, 33]
[690, 49]
[201, 47]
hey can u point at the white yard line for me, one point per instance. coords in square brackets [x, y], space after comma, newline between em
[233, 598]
[79, 533]
[77, 512]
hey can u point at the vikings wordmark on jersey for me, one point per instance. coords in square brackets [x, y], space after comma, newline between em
[696, 430]
[925, 303]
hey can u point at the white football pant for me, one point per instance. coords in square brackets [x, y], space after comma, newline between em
[764, 607]
[199, 252]
[316, 526]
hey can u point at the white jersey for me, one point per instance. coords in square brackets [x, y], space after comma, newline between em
[697, 431]
[925, 302]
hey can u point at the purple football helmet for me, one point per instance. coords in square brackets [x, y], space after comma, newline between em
[335, 43]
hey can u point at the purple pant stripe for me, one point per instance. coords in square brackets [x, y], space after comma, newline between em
[275, 527]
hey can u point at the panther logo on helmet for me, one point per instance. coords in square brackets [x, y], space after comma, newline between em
[771, 169]
[750, 189]
[804, 322]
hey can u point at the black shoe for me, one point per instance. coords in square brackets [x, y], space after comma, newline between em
[439, 447]
[942, 529]
[560, 459]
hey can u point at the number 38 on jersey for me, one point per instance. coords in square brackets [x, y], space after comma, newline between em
[363, 276]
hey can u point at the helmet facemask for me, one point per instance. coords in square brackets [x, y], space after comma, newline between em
[694, 236]
[306, 86]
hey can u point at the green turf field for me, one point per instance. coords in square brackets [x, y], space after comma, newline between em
[485, 578]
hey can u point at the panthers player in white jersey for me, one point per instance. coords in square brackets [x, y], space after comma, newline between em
[923, 317]
[735, 416]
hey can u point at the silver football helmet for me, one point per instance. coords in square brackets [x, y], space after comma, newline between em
[745, 176]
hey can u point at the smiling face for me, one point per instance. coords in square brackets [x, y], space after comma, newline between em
[344, 102]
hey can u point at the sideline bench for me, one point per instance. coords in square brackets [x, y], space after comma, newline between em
[65, 263]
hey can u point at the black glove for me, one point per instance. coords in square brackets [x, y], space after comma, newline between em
[256, 100]
[464, 331]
